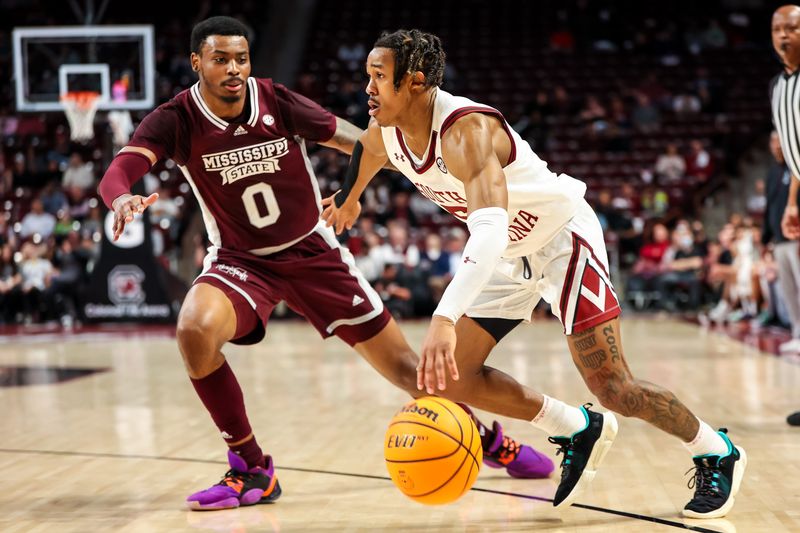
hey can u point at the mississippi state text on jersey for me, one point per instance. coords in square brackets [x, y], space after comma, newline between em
[251, 176]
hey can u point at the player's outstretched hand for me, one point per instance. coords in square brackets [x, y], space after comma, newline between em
[126, 206]
[790, 224]
[341, 218]
[437, 356]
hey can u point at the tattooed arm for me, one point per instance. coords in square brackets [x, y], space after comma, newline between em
[345, 136]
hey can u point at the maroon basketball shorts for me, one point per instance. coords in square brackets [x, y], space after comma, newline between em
[316, 277]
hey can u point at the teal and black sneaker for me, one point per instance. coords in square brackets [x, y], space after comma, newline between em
[583, 452]
[716, 481]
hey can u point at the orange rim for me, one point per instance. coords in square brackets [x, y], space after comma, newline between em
[83, 99]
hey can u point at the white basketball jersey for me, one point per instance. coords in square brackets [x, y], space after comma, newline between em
[540, 202]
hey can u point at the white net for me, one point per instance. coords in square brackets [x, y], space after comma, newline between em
[80, 109]
[121, 127]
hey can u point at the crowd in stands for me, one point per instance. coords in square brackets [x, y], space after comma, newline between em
[646, 150]
[748, 272]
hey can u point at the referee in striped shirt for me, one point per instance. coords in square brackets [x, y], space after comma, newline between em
[785, 96]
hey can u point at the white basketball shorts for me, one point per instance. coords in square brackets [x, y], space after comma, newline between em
[570, 273]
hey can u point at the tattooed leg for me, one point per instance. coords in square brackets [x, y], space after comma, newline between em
[597, 352]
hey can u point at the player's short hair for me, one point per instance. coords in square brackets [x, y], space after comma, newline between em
[216, 26]
[415, 50]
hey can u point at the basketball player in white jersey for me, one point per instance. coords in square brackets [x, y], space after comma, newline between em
[532, 236]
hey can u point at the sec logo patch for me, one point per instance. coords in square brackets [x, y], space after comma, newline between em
[268, 120]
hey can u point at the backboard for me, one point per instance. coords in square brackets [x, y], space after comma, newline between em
[116, 61]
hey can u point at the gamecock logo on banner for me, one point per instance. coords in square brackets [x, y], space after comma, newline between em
[125, 285]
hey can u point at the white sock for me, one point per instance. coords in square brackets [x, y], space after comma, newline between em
[707, 441]
[558, 419]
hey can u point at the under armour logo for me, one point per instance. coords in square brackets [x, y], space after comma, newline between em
[400, 157]
[468, 260]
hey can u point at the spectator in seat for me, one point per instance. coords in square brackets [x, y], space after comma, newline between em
[645, 116]
[61, 295]
[698, 162]
[64, 224]
[619, 222]
[53, 198]
[619, 127]
[93, 223]
[21, 175]
[682, 265]
[165, 212]
[7, 235]
[721, 272]
[757, 202]
[401, 209]
[10, 285]
[593, 116]
[352, 55]
[435, 262]
[655, 201]
[79, 174]
[397, 249]
[670, 166]
[648, 266]
[37, 221]
[773, 304]
[36, 271]
[686, 103]
[454, 244]
[563, 105]
[628, 199]
[745, 288]
[369, 260]
[6, 180]
[395, 290]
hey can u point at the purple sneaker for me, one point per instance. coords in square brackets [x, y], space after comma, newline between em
[519, 460]
[240, 486]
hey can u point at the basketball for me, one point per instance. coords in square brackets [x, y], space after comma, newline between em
[433, 451]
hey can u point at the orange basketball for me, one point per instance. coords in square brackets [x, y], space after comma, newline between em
[433, 450]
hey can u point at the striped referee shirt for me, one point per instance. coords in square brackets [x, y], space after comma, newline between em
[785, 96]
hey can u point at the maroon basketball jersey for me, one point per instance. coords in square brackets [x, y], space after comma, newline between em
[251, 176]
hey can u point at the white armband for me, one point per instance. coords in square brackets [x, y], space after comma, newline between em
[488, 228]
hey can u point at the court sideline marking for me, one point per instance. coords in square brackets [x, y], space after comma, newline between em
[644, 518]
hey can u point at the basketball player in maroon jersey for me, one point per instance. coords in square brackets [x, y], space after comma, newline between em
[532, 237]
[240, 143]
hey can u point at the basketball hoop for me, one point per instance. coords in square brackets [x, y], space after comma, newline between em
[80, 107]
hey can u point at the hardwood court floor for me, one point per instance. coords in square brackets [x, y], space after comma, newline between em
[119, 450]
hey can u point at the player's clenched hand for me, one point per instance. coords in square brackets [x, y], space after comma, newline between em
[438, 356]
[127, 205]
[341, 218]
[790, 224]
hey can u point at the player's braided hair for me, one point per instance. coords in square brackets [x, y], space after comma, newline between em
[216, 26]
[415, 50]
